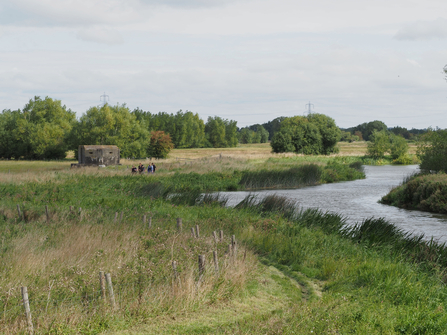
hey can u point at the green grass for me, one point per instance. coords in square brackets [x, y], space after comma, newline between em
[426, 192]
[298, 271]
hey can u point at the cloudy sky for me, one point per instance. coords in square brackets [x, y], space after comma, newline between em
[246, 60]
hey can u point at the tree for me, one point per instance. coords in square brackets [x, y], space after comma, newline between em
[379, 144]
[313, 135]
[221, 133]
[112, 125]
[398, 146]
[160, 144]
[40, 131]
[432, 150]
[366, 129]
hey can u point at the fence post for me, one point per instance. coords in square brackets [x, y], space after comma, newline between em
[116, 217]
[149, 224]
[102, 285]
[221, 236]
[215, 236]
[110, 289]
[179, 225]
[193, 232]
[19, 212]
[29, 320]
[234, 245]
[216, 263]
[144, 219]
[47, 213]
[201, 265]
[197, 231]
[174, 269]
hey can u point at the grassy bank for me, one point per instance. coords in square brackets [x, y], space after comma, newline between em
[426, 192]
[294, 271]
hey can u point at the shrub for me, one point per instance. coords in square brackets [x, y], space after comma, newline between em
[160, 144]
[432, 151]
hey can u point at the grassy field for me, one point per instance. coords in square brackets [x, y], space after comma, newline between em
[292, 271]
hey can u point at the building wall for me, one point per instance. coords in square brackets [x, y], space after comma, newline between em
[98, 155]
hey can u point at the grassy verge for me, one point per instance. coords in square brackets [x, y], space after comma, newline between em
[426, 192]
[367, 279]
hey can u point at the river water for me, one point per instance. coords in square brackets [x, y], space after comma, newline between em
[358, 200]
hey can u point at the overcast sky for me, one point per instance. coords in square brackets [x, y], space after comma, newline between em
[246, 60]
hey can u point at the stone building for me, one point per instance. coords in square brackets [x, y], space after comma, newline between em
[98, 155]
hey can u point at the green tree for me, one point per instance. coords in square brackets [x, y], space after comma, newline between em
[246, 135]
[112, 125]
[379, 144]
[221, 133]
[432, 150]
[39, 131]
[312, 135]
[398, 146]
[264, 134]
[160, 144]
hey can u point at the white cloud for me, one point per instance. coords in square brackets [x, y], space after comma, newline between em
[100, 35]
[423, 30]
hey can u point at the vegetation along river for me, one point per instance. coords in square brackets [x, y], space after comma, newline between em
[358, 200]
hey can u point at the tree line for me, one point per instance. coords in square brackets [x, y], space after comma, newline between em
[46, 129]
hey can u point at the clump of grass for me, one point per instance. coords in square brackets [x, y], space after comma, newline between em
[427, 192]
[304, 175]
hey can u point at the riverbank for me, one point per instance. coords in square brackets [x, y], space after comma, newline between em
[426, 192]
[292, 270]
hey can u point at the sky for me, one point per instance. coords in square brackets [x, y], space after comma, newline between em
[247, 60]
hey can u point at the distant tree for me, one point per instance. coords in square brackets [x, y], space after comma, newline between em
[246, 135]
[160, 144]
[312, 135]
[401, 131]
[221, 133]
[39, 131]
[215, 132]
[366, 129]
[359, 135]
[264, 134]
[273, 126]
[379, 144]
[398, 146]
[112, 125]
[432, 150]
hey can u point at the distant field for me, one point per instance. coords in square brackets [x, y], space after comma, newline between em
[199, 159]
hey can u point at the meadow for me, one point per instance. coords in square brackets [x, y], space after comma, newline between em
[290, 271]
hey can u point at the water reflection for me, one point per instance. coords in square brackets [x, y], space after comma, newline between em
[357, 200]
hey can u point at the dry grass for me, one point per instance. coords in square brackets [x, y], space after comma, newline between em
[59, 263]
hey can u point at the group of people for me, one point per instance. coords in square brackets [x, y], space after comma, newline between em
[150, 168]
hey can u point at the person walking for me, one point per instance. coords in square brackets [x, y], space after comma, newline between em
[153, 168]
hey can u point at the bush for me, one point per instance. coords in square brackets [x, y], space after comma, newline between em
[432, 150]
[160, 144]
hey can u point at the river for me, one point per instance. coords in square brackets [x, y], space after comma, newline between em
[358, 200]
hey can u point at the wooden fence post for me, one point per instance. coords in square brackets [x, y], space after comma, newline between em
[197, 231]
[221, 236]
[110, 289]
[19, 212]
[179, 225]
[193, 232]
[234, 245]
[102, 285]
[29, 320]
[149, 223]
[116, 217]
[174, 269]
[144, 219]
[216, 263]
[201, 265]
[47, 213]
[215, 236]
